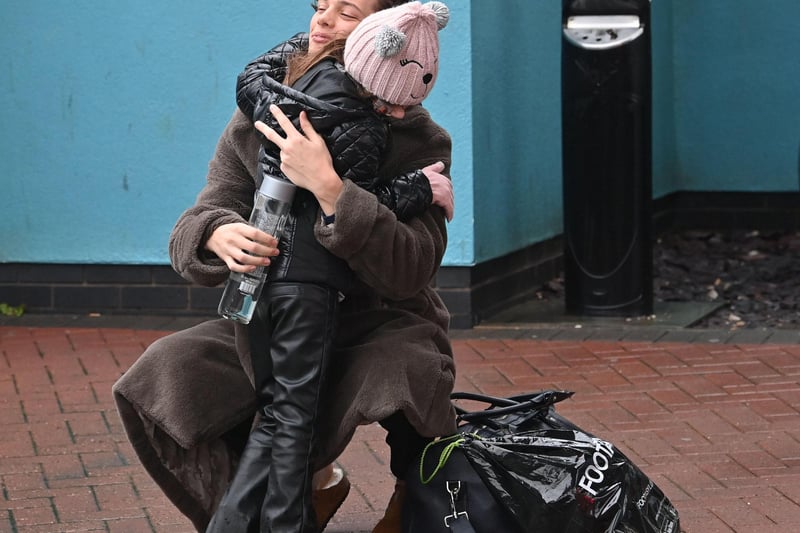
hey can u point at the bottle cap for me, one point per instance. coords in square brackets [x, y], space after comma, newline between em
[280, 189]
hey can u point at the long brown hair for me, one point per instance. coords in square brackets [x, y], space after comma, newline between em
[299, 63]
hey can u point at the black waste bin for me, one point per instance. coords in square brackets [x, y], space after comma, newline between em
[607, 169]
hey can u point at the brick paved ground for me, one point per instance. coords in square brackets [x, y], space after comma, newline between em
[716, 426]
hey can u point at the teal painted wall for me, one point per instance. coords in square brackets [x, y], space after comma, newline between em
[450, 105]
[110, 113]
[517, 124]
[737, 94]
[664, 149]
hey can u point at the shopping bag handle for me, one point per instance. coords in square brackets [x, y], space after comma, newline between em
[501, 406]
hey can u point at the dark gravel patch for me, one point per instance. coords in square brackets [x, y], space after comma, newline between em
[754, 275]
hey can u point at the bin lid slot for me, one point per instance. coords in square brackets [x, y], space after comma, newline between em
[602, 32]
[598, 22]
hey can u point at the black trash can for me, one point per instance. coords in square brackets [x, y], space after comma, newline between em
[607, 168]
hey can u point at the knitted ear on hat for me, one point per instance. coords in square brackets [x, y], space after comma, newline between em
[394, 53]
[389, 41]
[442, 13]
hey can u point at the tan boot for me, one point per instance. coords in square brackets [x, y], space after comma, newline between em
[327, 500]
[391, 521]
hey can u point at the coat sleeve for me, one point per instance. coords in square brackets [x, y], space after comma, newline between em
[396, 259]
[226, 198]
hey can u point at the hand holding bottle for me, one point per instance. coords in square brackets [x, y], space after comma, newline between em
[242, 246]
[271, 207]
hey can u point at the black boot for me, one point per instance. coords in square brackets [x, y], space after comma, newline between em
[240, 507]
[291, 341]
[239, 510]
[303, 320]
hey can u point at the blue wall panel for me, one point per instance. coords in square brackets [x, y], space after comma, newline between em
[450, 105]
[664, 156]
[737, 89]
[110, 113]
[517, 124]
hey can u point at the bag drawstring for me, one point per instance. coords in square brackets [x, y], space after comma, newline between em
[457, 440]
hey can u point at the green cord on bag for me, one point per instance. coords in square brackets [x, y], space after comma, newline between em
[445, 455]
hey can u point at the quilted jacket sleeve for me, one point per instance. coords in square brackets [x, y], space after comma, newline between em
[408, 195]
[357, 149]
[272, 64]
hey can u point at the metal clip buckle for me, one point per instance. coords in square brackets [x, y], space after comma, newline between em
[453, 487]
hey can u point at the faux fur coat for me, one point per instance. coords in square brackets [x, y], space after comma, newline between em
[188, 402]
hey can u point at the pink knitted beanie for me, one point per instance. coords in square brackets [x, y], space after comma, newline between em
[394, 53]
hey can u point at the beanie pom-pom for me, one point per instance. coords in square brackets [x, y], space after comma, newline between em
[442, 13]
[389, 41]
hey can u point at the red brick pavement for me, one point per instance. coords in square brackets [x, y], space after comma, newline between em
[715, 426]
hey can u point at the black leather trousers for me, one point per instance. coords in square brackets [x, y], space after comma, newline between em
[292, 342]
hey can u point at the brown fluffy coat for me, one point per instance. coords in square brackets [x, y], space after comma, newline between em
[188, 401]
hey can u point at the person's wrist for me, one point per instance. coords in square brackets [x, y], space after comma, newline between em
[329, 194]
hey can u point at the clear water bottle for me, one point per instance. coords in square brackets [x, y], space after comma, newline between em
[270, 210]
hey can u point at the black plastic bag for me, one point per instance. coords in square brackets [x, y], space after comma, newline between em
[562, 480]
[542, 471]
[515, 414]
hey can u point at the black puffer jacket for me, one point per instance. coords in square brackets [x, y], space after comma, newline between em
[355, 135]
